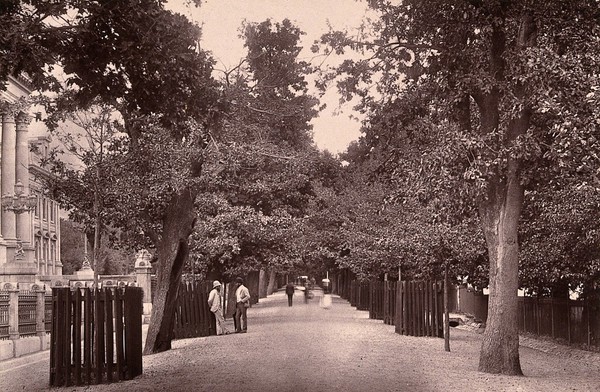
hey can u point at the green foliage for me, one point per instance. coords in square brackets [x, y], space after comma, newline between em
[142, 65]
[261, 169]
[267, 92]
[72, 248]
[110, 261]
[447, 88]
[559, 238]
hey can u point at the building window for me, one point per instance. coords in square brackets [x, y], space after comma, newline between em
[44, 209]
[46, 250]
[38, 251]
[36, 210]
[52, 216]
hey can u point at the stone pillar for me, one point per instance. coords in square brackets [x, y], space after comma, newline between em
[9, 144]
[24, 231]
[13, 310]
[5, 121]
[3, 257]
[40, 310]
[143, 270]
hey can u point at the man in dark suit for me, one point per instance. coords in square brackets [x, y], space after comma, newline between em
[289, 290]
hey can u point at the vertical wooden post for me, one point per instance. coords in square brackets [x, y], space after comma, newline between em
[409, 312]
[52, 371]
[413, 326]
[196, 307]
[99, 334]
[88, 333]
[133, 330]
[398, 313]
[68, 324]
[524, 313]
[446, 311]
[436, 309]
[422, 308]
[77, 336]
[428, 330]
[405, 308]
[119, 331]
[569, 320]
[56, 337]
[587, 309]
[108, 311]
[538, 314]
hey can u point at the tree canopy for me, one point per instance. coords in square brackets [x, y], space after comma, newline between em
[490, 97]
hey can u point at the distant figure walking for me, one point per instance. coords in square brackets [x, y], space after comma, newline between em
[306, 293]
[214, 301]
[326, 301]
[289, 290]
[242, 302]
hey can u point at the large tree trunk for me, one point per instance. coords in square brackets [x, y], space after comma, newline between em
[263, 282]
[500, 216]
[500, 213]
[172, 252]
[272, 282]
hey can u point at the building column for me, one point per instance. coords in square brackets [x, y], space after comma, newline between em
[22, 174]
[9, 143]
[5, 120]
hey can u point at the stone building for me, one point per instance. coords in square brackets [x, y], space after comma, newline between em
[29, 221]
[46, 215]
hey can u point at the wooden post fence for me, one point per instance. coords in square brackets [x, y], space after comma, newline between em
[193, 317]
[96, 335]
[419, 308]
[389, 302]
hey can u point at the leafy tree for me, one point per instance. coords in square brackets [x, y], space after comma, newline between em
[145, 62]
[110, 261]
[72, 249]
[508, 88]
[78, 165]
[260, 172]
[559, 245]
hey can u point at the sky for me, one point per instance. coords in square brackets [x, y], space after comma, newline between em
[333, 130]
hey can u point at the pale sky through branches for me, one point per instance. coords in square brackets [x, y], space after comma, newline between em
[221, 20]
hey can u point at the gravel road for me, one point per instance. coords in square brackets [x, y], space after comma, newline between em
[308, 348]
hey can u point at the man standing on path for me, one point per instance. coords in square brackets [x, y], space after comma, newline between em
[214, 301]
[289, 290]
[242, 302]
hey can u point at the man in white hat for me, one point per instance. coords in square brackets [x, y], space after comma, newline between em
[214, 301]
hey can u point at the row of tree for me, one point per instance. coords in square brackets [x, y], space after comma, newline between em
[480, 106]
[479, 151]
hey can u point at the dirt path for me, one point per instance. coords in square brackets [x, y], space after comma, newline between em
[307, 348]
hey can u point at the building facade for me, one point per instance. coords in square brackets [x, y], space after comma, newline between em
[46, 215]
[29, 221]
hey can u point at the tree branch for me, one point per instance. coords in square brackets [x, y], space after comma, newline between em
[275, 156]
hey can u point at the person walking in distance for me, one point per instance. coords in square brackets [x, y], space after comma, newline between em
[289, 290]
[242, 302]
[214, 301]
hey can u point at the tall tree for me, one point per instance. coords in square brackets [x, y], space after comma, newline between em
[146, 63]
[262, 164]
[78, 165]
[510, 88]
